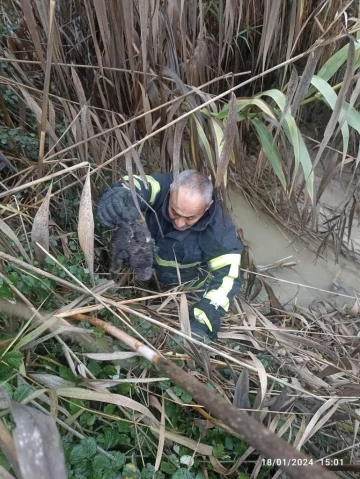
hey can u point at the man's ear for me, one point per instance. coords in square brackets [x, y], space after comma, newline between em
[211, 202]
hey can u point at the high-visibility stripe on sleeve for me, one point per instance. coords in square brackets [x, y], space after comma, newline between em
[174, 264]
[154, 185]
[224, 260]
[136, 182]
[202, 318]
[155, 189]
[219, 296]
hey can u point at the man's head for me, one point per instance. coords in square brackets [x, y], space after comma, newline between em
[189, 199]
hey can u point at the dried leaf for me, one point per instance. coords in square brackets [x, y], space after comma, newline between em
[343, 363]
[271, 22]
[33, 29]
[147, 110]
[51, 381]
[280, 400]
[218, 467]
[86, 226]
[228, 142]
[5, 228]
[305, 80]
[37, 110]
[260, 398]
[179, 130]
[161, 437]
[117, 399]
[37, 443]
[196, 446]
[184, 315]
[316, 423]
[111, 356]
[241, 395]
[40, 229]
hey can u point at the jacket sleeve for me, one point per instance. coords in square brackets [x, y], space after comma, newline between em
[225, 282]
[149, 193]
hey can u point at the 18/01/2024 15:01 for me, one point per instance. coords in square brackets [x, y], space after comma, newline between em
[326, 461]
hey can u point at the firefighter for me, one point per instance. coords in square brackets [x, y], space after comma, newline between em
[195, 244]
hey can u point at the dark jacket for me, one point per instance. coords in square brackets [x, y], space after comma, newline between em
[208, 252]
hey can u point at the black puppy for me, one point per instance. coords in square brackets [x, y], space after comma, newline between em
[133, 246]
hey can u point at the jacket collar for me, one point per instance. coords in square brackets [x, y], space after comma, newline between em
[203, 222]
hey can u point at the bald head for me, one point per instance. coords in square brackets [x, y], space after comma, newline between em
[189, 199]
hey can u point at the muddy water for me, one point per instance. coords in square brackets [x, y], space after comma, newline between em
[270, 243]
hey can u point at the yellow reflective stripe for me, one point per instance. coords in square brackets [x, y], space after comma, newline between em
[173, 264]
[219, 296]
[202, 318]
[225, 260]
[155, 189]
[136, 182]
[155, 186]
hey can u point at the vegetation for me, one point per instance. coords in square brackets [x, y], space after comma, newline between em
[91, 90]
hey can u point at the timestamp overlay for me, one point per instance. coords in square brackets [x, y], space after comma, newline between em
[328, 462]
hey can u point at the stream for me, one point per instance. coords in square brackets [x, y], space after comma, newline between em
[269, 243]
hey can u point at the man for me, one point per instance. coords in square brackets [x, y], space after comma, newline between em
[194, 243]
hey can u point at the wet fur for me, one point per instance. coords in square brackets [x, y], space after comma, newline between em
[132, 246]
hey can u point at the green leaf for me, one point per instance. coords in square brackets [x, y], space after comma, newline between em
[168, 467]
[109, 438]
[119, 459]
[81, 470]
[88, 419]
[94, 367]
[229, 443]
[89, 446]
[336, 61]
[102, 466]
[109, 409]
[74, 405]
[22, 392]
[295, 138]
[186, 398]
[78, 453]
[5, 291]
[124, 426]
[66, 373]
[183, 473]
[218, 450]
[131, 472]
[123, 440]
[270, 149]
[13, 359]
[330, 97]
[149, 473]
[4, 462]
[243, 103]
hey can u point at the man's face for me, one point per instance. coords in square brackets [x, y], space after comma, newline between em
[186, 209]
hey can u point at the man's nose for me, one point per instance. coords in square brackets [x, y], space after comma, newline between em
[180, 223]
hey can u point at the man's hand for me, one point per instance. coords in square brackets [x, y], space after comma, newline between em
[116, 205]
[205, 319]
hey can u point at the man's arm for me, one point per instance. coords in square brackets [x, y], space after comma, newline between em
[117, 203]
[225, 283]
